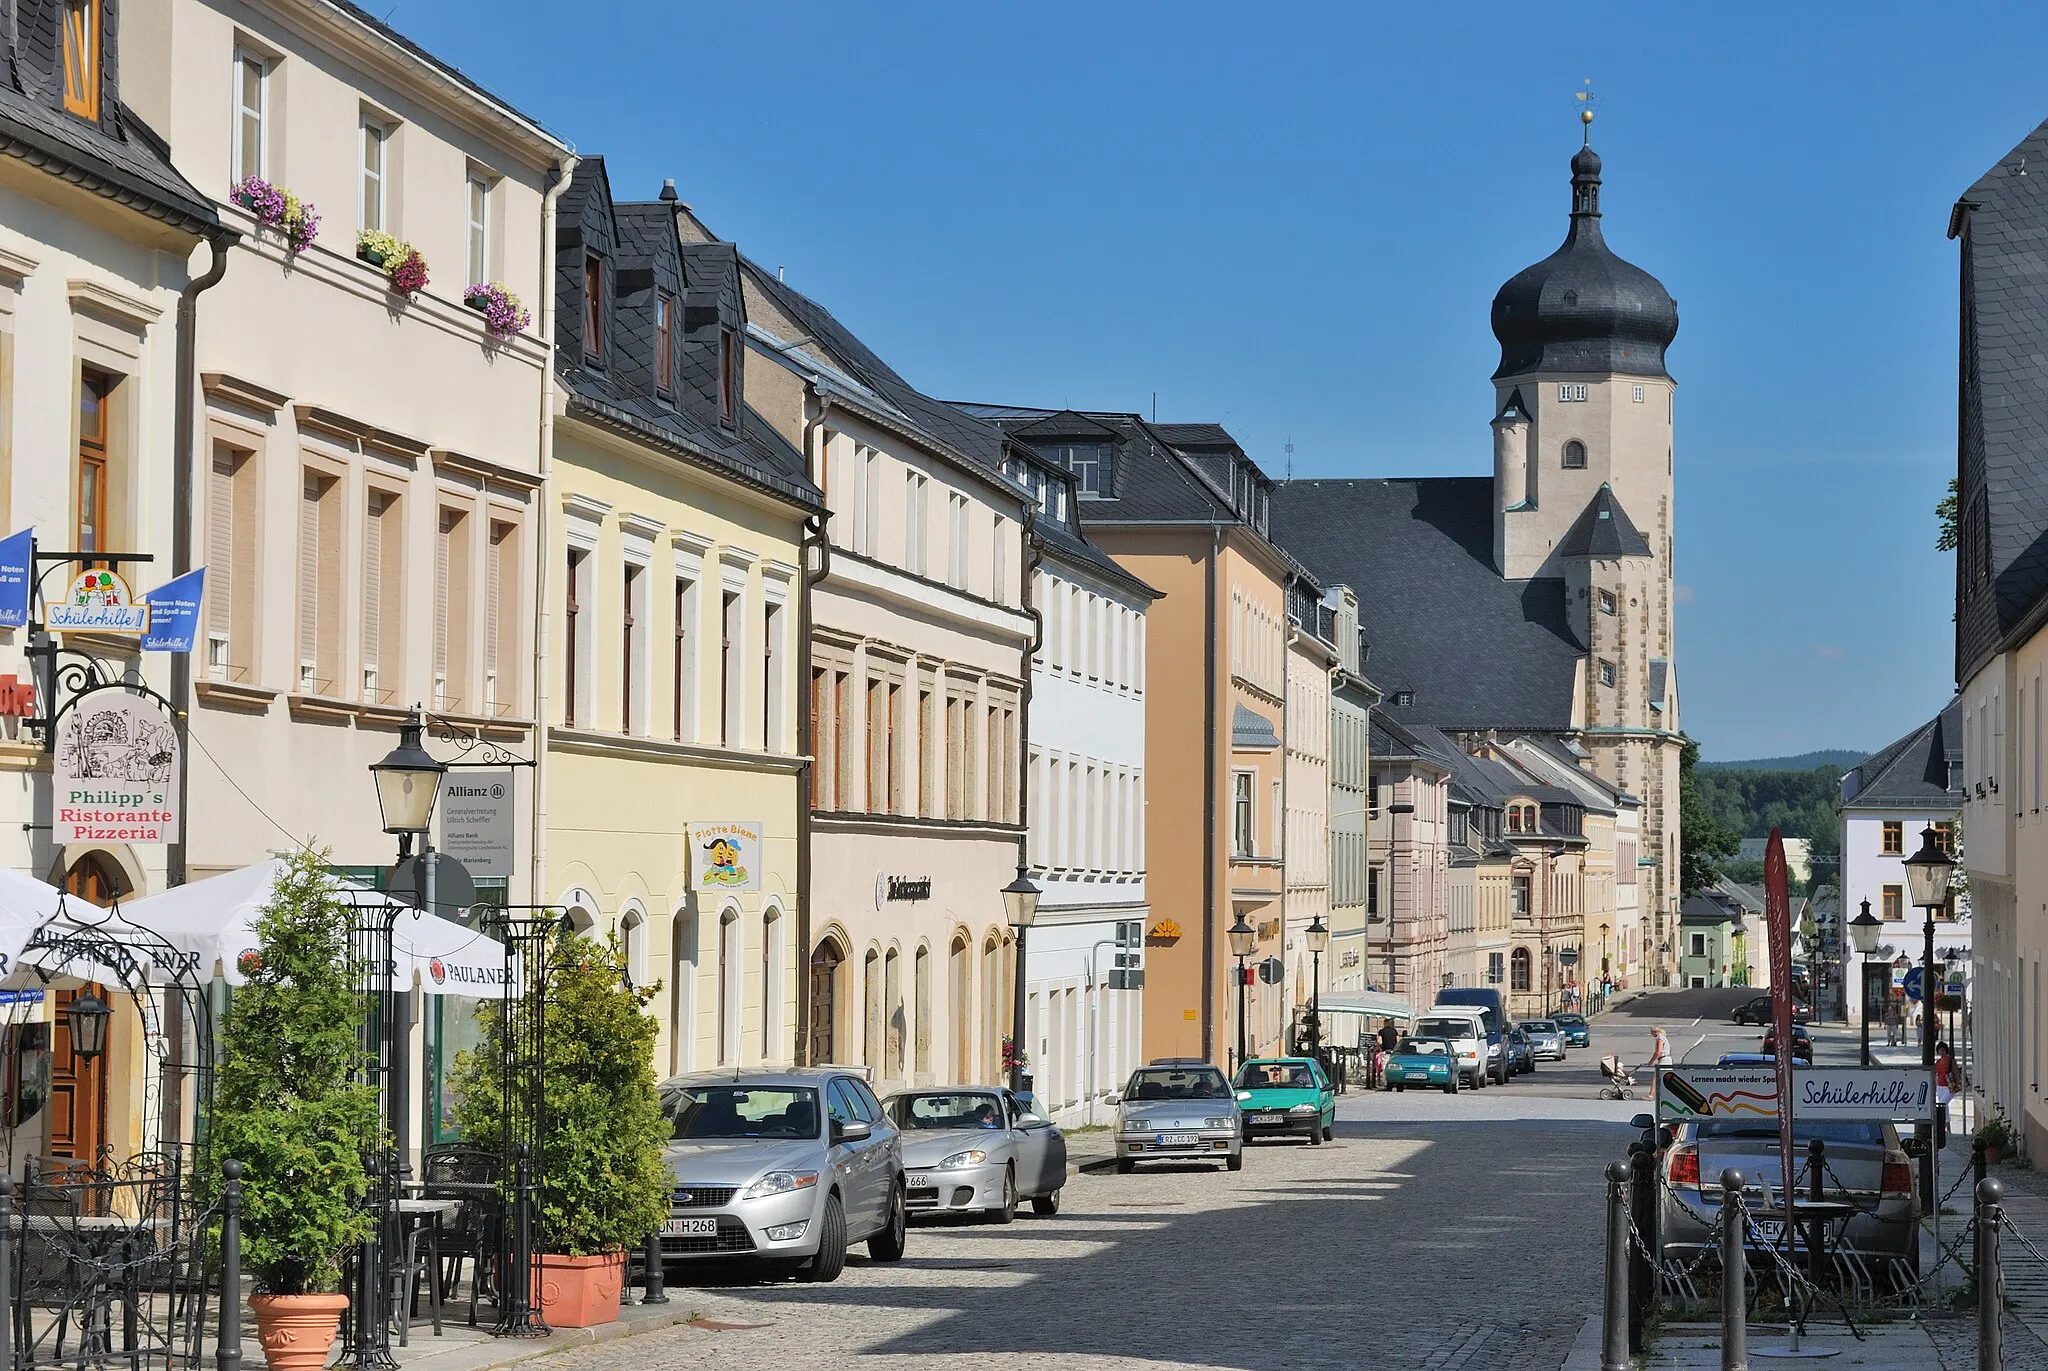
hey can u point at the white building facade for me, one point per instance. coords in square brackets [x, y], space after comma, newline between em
[1084, 957]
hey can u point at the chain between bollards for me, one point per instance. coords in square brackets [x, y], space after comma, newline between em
[1614, 1309]
[1990, 1279]
[227, 1352]
[1734, 1275]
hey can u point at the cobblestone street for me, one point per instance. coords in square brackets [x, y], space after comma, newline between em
[1416, 1244]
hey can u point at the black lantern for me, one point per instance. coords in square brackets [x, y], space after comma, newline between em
[87, 1017]
[408, 781]
[1928, 871]
[1318, 937]
[1863, 930]
[1020, 901]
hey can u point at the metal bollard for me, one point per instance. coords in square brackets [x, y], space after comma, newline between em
[1978, 1169]
[1990, 1278]
[227, 1352]
[1816, 1230]
[7, 1272]
[1734, 1275]
[1642, 1281]
[654, 1291]
[1614, 1311]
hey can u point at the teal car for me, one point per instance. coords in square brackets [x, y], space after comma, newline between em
[1423, 1061]
[1283, 1096]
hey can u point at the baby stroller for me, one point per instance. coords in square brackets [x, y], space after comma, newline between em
[1619, 1080]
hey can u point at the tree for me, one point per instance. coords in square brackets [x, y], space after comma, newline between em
[1702, 841]
[290, 1103]
[1945, 516]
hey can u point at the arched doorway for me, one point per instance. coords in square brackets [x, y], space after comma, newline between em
[78, 1085]
[827, 965]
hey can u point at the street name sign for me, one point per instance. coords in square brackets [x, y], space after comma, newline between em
[1819, 1093]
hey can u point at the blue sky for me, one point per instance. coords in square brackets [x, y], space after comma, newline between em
[1293, 220]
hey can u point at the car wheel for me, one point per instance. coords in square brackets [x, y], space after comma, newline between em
[1452, 1088]
[887, 1245]
[1125, 1166]
[1315, 1134]
[1399, 1089]
[1008, 1213]
[830, 1260]
[1236, 1162]
[1045, 1206]
[1330, 1133]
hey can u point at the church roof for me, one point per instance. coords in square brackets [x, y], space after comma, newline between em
[1604, 531]
[1475, 650]
[1582, 309]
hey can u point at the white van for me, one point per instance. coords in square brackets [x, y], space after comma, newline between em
[1465, 1026]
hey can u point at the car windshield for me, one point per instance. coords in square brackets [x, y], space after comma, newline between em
[1276, 1076]
[945, 1109]
[1725, 1129]
[1449, 1028]
[698, 1112]
[1424, 1047]
[1175, 1083]
[1572, 1020]
[1541, 1026]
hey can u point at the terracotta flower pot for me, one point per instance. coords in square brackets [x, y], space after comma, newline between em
[297, 1330]
[579, 1292]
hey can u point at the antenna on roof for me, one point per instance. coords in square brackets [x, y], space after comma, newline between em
[1155, 406]
[1290, 456]
[779, 271]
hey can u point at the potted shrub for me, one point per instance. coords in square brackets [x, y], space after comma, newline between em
[288, 1105]
[1996, 1136]
[275, 207]
[603, 1183]
[504, 317]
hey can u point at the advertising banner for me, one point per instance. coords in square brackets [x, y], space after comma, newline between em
[1847, 1094]
[1778, 931]
[174, 613]
[114, 778]
[726, 856]
[17, 554]
[476, 820]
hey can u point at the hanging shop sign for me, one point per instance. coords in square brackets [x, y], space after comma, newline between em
[97, 602]
[174, 613]
[726, 856]
[17, 555]
[476, 820]
[1818, 1093]
[115, 770]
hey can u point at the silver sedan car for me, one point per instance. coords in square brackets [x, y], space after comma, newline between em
[1546, 1039]
[785, 1168]
[1178, 1110]
[978, 1150]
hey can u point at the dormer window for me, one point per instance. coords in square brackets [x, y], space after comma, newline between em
[1090, 464]
[82, 58]
[728, 374]
[593, 307]
[664, 331]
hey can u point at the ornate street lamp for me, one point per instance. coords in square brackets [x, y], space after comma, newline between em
[1927, 879]
[408, 783]
[86, 1018]
[1863, 931]
[1243, 938]
[1318, 944]
[1020, 905]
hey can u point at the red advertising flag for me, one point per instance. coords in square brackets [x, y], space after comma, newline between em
[1778, 928]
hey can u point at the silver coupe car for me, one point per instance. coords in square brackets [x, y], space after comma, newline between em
[787, 1168]
[1178, 1110]
[1546, 1039]
[978, 1150]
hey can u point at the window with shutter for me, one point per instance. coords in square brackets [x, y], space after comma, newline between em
[819, 743]
[927, 782]
[576, 671]
[501, 627]
[732, 670]
[844, 756]
[309, 584]
[373, 594]
[453, 607]
[223, 570]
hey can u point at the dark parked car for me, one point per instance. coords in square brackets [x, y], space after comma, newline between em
[1521, 1056]
[1574, 1029]
[1758, 1012]
[1802, 1044]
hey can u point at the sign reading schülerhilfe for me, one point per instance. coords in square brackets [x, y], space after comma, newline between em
[1873, 1094]
[114, 778]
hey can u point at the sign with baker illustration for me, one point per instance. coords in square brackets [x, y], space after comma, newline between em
[725, 856]
[114, 776]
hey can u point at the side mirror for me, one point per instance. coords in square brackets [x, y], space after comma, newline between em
[1116, 1097]
[1914, 1147]
[852, 1130]
[1243, 1095]
[1643, 1121]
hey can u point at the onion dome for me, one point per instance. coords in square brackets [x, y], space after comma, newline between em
[1582, 309]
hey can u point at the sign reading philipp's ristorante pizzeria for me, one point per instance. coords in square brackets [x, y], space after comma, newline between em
[114, 777]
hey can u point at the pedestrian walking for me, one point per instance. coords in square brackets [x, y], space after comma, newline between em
[1660, 1050]
[1892, 1024]
[1944, 1090]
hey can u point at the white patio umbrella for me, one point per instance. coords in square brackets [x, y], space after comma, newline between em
[25, 905]
[215, 920]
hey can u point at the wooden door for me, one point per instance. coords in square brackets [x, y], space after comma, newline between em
[825, 963]
[78, 1089]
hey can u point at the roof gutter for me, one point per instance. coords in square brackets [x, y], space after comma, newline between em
[559, 178]
[817, 565]
[1209, 781]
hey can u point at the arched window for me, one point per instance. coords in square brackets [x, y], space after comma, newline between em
[959, 993]
[633, 937]
[728, 987]
[771, 984]
[921, 1014]
[1575, 455]
[872, 1013]
[682, 993]
[893, 1025]
[1518, 969]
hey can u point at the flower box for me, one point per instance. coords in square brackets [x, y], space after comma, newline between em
[370, 255]
[504, 317]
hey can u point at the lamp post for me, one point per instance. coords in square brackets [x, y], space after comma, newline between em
[1318, 944]
[1928, 872]
[86, 1018]
[1020, 903]
[408, 782]
[1863, 931]
[1242, 937]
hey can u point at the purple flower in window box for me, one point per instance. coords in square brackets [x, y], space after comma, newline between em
[275, 207]
[503, 316]
[409, 276]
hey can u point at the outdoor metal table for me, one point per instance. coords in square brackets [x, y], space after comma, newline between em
[1816, 1221]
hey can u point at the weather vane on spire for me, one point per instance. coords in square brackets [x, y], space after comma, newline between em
[1586, 102]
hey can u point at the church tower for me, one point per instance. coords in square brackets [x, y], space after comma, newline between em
[1582, 441]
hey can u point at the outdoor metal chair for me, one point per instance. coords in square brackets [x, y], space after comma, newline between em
[471, 1175]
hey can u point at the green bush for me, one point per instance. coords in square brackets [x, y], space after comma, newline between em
[289, 1103]
[603, 1182]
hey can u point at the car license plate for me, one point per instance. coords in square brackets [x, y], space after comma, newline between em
[1179, 1139]
[1265, 1120]
[1770, 1230]
[918, 1180]
[691, 1228]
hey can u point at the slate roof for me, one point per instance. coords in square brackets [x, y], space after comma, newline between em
[1699, 909]
[118, 157]
[1153, 482]
[1477, 651]
[1913, 772]
[1251, 729]
[1603, 531]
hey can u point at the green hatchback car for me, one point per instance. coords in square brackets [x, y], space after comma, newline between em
[1282, 1096]
[1423, 1062]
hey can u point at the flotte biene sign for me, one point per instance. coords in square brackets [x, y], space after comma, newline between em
[97, 602]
